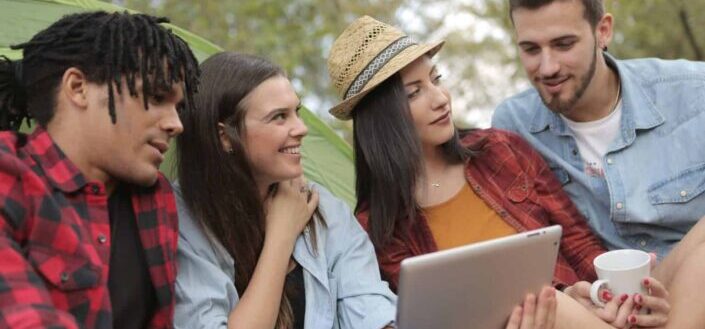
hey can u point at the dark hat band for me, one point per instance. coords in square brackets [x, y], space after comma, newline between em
[377, 63]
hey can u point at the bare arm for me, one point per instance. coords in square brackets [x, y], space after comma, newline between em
[259, 305]
[288, 211]
[553, 310]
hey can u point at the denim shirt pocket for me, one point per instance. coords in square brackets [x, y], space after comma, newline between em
[62, 271]
[680, 197]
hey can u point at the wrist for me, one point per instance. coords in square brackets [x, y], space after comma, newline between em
[279, 240]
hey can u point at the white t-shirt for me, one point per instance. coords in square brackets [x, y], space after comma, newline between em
[594, 137]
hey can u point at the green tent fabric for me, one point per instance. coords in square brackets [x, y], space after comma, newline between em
[328, 159]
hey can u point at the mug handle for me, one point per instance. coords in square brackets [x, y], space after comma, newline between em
[595, 289]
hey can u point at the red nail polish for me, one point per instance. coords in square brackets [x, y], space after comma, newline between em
[638, 299]
[606, 296]
[638, 307]
[632, 319]
[647, 282]
[623, 298]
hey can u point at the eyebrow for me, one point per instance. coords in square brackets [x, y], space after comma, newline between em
[552, 41]
[433, 69]
[174, 93]
[280, 110]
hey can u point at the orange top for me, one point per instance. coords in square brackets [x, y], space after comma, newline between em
[464, 219]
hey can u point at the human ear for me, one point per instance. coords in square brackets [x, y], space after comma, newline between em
[74, 87]
[224, 139]
[604, 31]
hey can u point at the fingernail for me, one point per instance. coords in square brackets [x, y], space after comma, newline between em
[647, 282]
[638, 307]
[606, 296]
[632, 319]
[638, 299]
[623, 298]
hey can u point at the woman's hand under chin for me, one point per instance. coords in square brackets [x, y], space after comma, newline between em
[288, 208]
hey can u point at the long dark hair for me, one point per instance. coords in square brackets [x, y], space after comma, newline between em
[389, 159]
[106, 47]
[218, 186]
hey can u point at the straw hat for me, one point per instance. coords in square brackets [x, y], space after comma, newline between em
[367, 53]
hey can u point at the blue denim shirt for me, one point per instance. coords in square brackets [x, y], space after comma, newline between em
[342, 283]
[652, 192]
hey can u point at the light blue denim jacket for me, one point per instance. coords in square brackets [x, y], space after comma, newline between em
[652, 193]
[342, 283]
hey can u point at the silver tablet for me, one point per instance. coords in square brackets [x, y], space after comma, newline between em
[475, 286]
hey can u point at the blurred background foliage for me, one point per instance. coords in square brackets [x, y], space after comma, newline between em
[479, 59]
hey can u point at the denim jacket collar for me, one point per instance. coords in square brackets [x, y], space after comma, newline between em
[638, 109]
[314, 263]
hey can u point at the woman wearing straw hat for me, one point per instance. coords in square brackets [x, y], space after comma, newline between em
[418, 177]
[257, 247]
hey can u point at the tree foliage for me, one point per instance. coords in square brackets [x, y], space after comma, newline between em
[295, 34]
[478, 61]
[659, 28]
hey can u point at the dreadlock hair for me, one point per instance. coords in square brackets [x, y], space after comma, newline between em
[221, 193]
[106, 47]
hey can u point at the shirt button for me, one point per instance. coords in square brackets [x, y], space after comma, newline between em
[102, 239]
[620, 205]
[64, 277]
[684, 193]
[609, 161]
[575, 152]
[642, 243]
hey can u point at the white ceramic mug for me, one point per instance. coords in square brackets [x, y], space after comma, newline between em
[622, 271]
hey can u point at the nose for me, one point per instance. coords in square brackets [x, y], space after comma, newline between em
[548, 66]
[441, 97]
[299, 128]
[171, 123]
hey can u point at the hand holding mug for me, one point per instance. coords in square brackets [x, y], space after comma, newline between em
[622, 271]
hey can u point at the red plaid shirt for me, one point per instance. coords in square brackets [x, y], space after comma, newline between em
[55, 239]
[515, 181]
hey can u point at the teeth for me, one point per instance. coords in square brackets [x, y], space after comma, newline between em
[291, 150]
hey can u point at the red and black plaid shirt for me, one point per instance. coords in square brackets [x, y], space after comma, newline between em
[55, 239]
[515, 181]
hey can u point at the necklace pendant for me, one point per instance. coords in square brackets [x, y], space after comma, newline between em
[436, 184]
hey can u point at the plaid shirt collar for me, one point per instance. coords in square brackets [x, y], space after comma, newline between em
[59, 170]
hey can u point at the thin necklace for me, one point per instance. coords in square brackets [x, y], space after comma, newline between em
[619, 95]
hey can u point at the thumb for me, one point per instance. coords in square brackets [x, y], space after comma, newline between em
[654, 259]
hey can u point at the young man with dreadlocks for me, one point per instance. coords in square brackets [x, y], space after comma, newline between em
[88, 226]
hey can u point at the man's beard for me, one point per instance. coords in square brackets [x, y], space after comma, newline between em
[564, 107]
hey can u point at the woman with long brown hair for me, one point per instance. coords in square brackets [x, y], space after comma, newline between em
[258, 247]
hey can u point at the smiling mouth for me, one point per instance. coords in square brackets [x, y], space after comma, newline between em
[160, 146]
[441, 118]
[553, 83]
[291, 150]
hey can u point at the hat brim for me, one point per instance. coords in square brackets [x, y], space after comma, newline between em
[343, 110]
